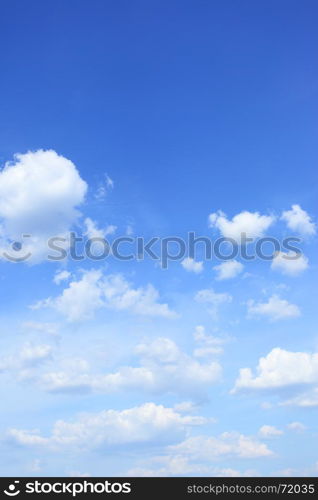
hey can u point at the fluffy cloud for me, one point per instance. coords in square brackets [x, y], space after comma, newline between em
[228, 269]
[39, 195]
[142, 424]
[280, 369]
[227, 444]
[94, 291]
[252, 224]
[286, 263]
[193, 456]
[163, 368]
[192, 266]
[275, 309]
[213, 299]
[299, 220]
[269, 431]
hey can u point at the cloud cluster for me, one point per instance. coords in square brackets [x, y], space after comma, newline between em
[162, 368]
[254, 225]
[141, 424]
[227, 444]
[179, 465]
[94, 290]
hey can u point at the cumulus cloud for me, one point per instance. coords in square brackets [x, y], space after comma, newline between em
[228, 269]
[213, 299]
[94, 291]
[192, 266]
[274, 309]
[280, 369]
[253, 224]
[289, 263]
[227, 444]
[299, 220]
[194, 456]
[141, 424]
[39, 195]
[269, 431]
[162, 368]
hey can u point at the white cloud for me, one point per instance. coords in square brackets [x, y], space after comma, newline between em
[34, 353]
[163, 368]
[61, 276]
[142, 424]
[104, 188]
[299, 220]
[296, 426]
[93, 231]
[228, 269]
[39, 193]
[227, 444]
[192, 266]
[28, 357]
[194, 457]
[208, 344]
[94, 291]
[275, 309]
[279, 369]
[213, 299]
[186, 407]
[286, 263]
[252, 224]
[269, 431]
[307, 399]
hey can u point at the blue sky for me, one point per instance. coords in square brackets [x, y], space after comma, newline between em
[150, 117]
